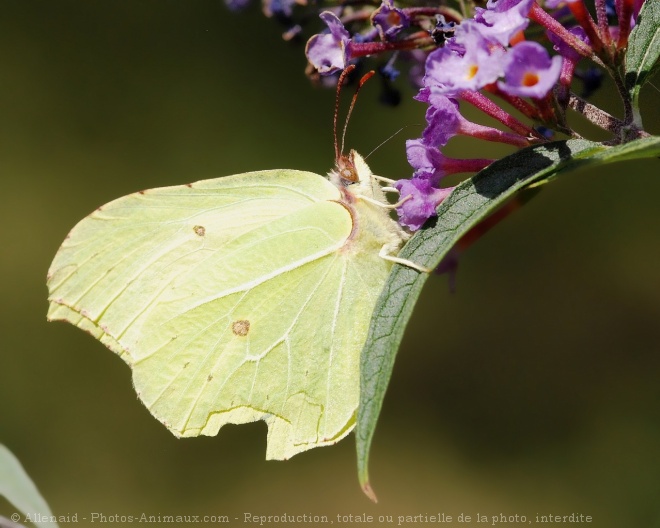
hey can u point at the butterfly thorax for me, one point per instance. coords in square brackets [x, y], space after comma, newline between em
[372, 223]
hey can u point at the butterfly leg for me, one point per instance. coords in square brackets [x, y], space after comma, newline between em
[386, 205]
[385, 254]
[385, 180]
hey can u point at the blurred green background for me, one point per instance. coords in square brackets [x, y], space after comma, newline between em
[532, 389]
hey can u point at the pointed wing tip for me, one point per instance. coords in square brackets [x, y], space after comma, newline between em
[369, 492]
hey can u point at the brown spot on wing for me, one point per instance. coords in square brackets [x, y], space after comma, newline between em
[240, 327]
[199, 230]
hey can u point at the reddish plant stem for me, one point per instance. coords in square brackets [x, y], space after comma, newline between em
[421, 39]
[603, 26]
[517, 102]
[583, 17]
[538, 15]
[488, 107]
[624, 11]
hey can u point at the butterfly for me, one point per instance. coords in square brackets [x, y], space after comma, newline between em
[237, 299]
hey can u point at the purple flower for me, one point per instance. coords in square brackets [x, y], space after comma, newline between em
[592, 80]
[423, 157]
[329, 52]
[571, 58]
[428, 160]
[529, 71]
[637, 7]
[450, 72]
[546, 132]
[443, 120]
[278, 8]
[423, 200]
[503, 19]
[553, 4]
[610, 9]
[389, 20]
[423, 95]
[389, 71]
[237, 5]
[416, 73]
[564, 49]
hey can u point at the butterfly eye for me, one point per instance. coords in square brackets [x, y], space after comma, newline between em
[346, 169]
[349, 174]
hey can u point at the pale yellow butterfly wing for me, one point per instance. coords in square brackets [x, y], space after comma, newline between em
[235, 299]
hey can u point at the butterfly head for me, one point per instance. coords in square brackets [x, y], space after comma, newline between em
[345, 169]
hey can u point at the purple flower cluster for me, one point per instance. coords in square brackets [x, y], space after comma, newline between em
[456, 59]
[525, 54]
[478, 56]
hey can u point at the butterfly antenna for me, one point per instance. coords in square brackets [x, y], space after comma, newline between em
[340, 83]
[344, 166]
[393, 135]
[363, 80]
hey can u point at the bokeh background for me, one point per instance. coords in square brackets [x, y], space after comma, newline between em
[532, 389]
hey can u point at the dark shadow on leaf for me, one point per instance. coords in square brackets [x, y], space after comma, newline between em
[504, 173]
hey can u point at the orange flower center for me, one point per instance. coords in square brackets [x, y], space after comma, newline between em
[530, 79]
[472, 71]
[393, 18]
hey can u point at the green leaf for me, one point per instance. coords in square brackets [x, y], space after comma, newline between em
[18, 488]
[643, 49]
[648, 147]
[470, 203]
